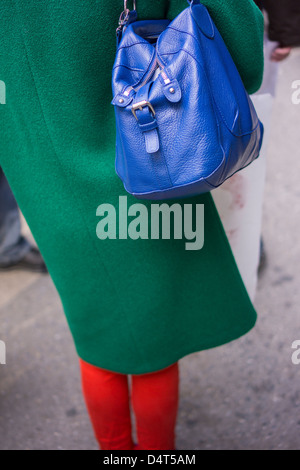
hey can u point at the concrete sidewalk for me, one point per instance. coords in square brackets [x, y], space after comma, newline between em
[244, 395]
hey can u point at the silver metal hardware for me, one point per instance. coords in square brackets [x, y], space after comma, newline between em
[124, 15]
[148, 76]
[165, 77]
[125, 4]
[172, 90]
[127, 92]
[140, 105]
[121, 100]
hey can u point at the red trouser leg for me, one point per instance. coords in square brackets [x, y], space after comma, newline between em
[155, 404]
[155, 399]
[107, 398]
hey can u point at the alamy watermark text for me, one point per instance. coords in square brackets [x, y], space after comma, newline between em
[2, 92]
[140, 222]
[2, 353]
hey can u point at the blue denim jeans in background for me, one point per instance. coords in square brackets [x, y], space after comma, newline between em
[13, 246]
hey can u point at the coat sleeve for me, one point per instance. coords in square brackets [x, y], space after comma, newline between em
[241, 25]
[284, 21]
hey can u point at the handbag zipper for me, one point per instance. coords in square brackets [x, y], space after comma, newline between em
[163, 73]
[149, 74]
[157, 64]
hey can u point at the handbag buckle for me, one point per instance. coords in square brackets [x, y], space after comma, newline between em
[140, 105]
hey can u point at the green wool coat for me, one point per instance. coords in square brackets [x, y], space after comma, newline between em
[133, 306]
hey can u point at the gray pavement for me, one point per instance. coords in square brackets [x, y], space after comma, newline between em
[244, 395]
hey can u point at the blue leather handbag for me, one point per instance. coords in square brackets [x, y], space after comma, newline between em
[184, 121]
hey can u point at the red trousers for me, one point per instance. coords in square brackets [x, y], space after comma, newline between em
[154, 398]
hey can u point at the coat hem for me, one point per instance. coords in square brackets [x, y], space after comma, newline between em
[160, 365]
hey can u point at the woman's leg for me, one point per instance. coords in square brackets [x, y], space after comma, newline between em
[155, 398]
[107, 398]
[13, 246]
